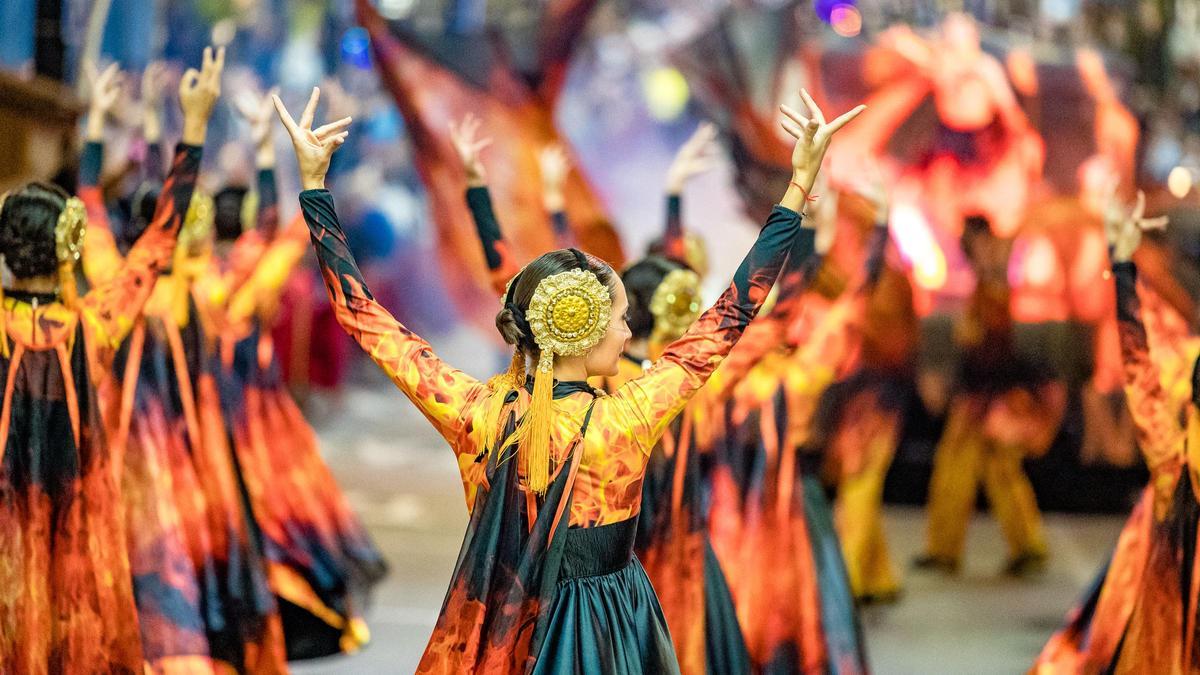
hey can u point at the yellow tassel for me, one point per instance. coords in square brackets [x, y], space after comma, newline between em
[67, 290]
[535, 449]
[500, 386]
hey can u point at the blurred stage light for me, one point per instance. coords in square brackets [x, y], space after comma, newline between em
[1179, 182]
[666, 92]
[918, 246]
[223, 32]
[846, 20]
[356, 47]
[395, 9]
[824, 8]
[1039, 266]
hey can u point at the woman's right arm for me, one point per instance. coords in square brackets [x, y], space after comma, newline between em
[446, 396]
[443, 394]
[110, 309]
[101, 259]
[1159, 432]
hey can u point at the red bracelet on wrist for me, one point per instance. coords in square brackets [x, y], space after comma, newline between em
[807, 197]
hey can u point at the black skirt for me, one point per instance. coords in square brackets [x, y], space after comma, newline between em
[605, 618]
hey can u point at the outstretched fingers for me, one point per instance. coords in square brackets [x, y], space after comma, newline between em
[813, 108]
[844, 119]
[310, 110]
[332, 127]
[1158, 223]
[1139, 207]
[286, 118]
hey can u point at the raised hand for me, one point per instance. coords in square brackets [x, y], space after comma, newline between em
[468, 145]
[1124, 230]
[874, 189]
[105, 87]
[555, 167]
[314, 147]
[153, 83]
[697, 155]
[198, 93]
[813, 136]
[257, 110]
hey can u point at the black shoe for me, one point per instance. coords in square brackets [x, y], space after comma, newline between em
[935, 563]
[1026, 565]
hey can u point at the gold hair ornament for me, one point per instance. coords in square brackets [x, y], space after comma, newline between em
[69, 232]
[568, 315]
[198, 223]
[675, 303]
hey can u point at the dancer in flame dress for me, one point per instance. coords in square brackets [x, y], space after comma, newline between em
[546, 580]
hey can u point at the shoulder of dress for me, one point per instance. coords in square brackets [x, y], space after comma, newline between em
[40, 328]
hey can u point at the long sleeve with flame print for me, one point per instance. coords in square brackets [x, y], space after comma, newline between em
[110, 308]
[1160, 433]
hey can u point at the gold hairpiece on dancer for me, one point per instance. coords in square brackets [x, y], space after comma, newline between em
[68, 247]
[198, 223]
[675, 303]
[69, 231]
[568, 315]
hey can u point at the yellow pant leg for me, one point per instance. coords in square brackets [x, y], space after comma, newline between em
[859, 514]
[1012, 500]
[955, 480]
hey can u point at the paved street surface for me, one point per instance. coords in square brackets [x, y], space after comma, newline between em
[403, 481]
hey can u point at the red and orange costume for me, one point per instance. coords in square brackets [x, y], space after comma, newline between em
[68, 603]
[543, 582]
[770, 518]
[189, 533]
[319, 561]
[1141, 616]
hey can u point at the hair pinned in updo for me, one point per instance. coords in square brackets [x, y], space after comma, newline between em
[511, 321]
[570, 313]
[27, 225]
[228, 204]
[139, 210]
[641, 280]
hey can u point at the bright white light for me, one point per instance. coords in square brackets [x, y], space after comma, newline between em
[395, 9]
[918, 246]
[1179, 181]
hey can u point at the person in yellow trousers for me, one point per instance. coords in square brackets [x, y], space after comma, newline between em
[860, 418]
[1003, 411]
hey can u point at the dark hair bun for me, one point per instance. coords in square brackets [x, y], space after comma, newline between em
[506, 323]
[27, 225]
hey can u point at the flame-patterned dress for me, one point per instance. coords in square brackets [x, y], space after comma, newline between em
[199, 579]
[770, 518]
[66, 590]
[672, 535]
[319, 561]
[549, 584]
[1141, 614]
